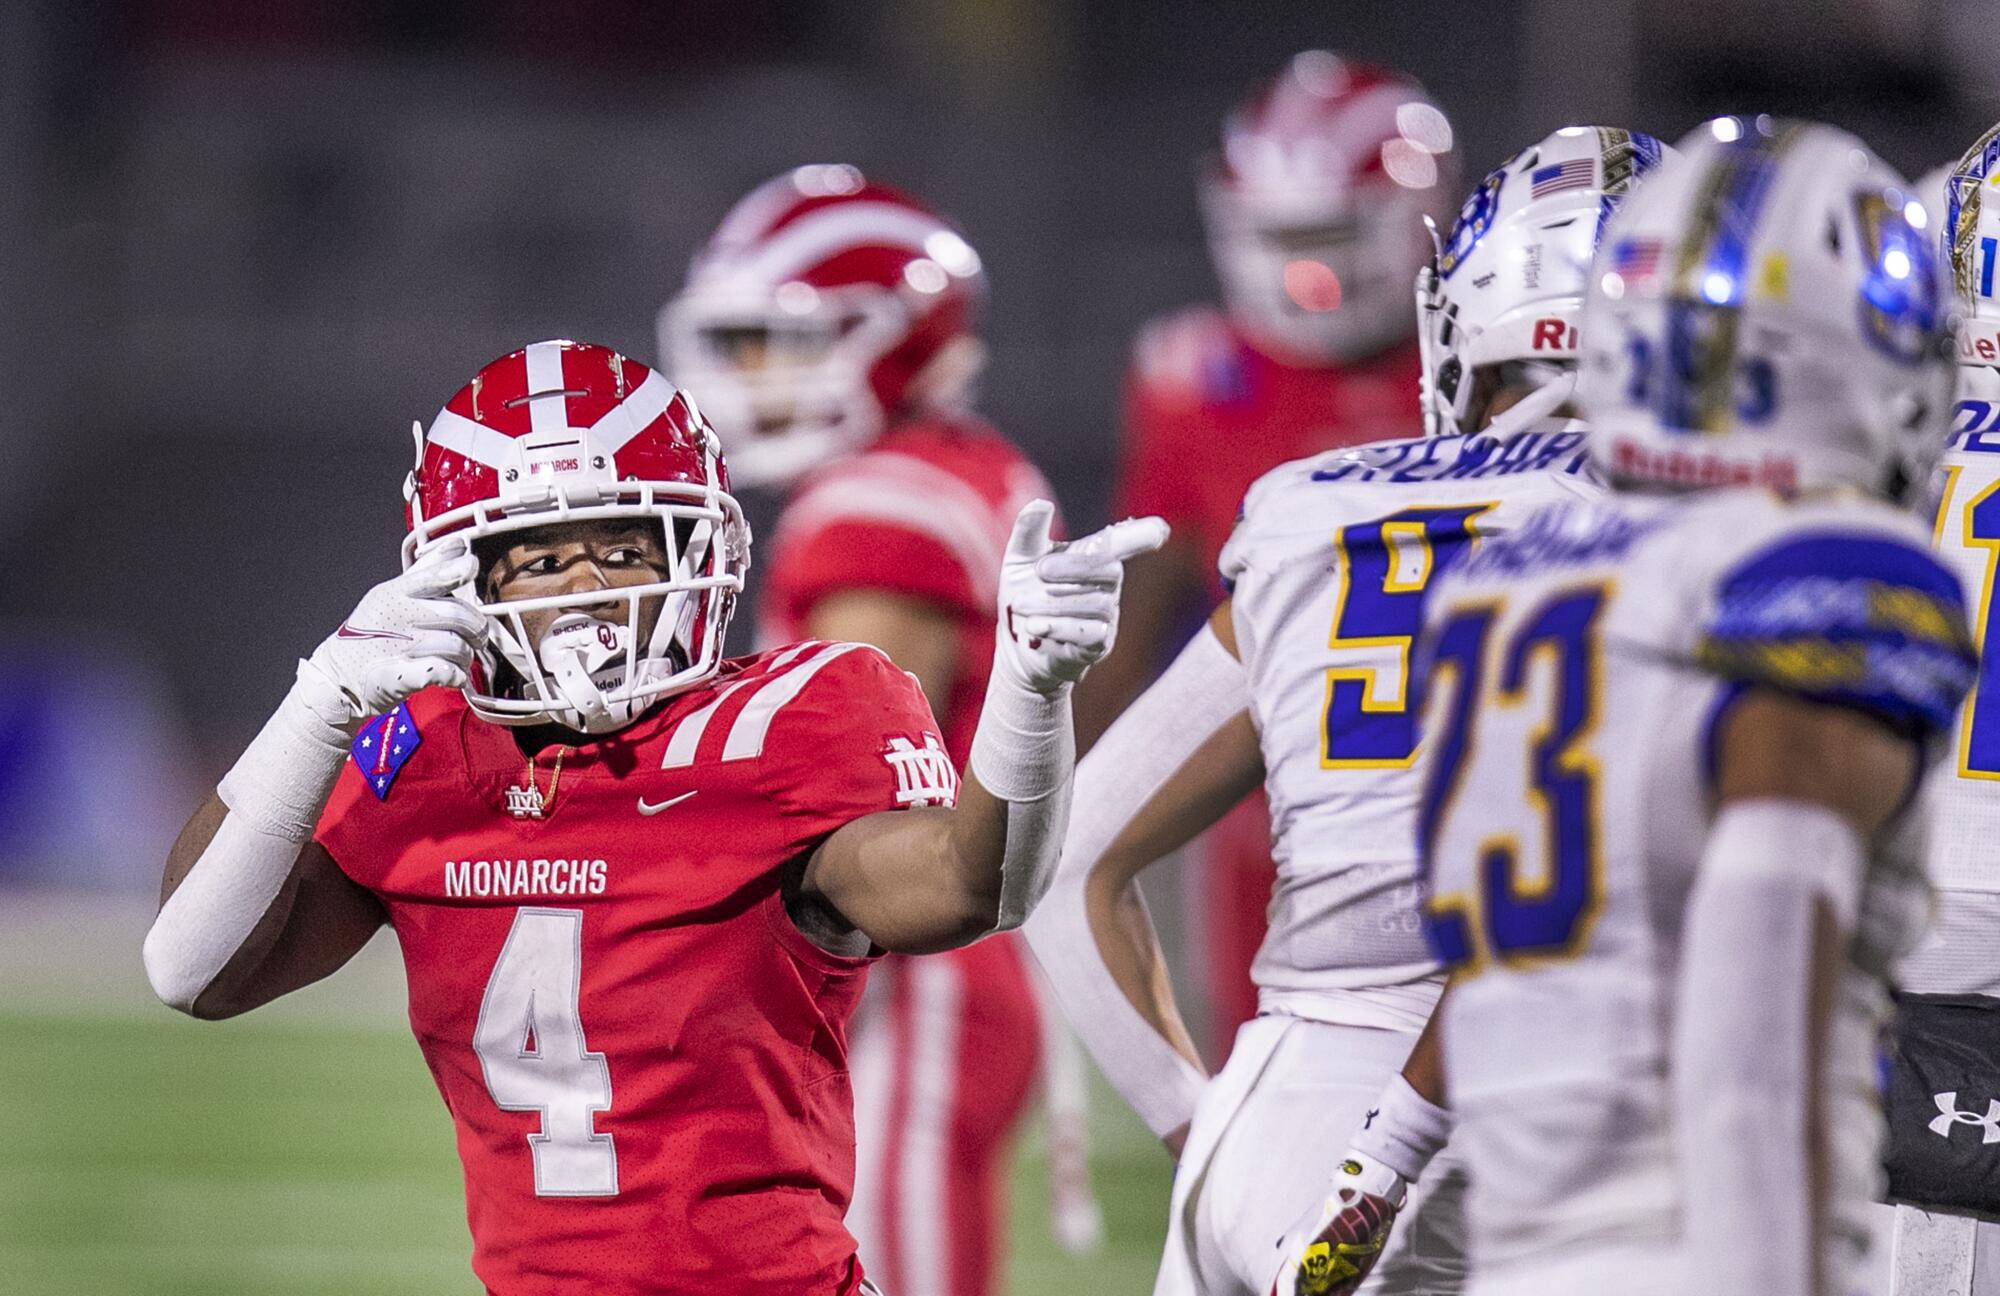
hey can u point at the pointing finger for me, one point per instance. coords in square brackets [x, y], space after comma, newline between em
[1123, 540]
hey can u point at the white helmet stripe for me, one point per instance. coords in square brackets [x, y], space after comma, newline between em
[629, 417]
[547, 416]
[474, 441]
[819, 234]
[751, 218]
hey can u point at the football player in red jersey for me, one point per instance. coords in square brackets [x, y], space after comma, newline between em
[1314, 208]
[636, 885]
[830, 326]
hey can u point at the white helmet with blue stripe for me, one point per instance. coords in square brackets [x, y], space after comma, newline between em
[1967, 196]
[1770, 309]
[1499, 306]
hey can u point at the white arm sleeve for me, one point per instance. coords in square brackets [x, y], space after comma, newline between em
[1742, 1048]
[274, 793]
[1201, 691]
[1024, 752]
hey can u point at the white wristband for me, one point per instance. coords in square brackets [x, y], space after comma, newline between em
[1025, 745]
[1405, 1130]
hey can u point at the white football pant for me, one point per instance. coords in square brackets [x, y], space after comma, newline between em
[1261, 1150]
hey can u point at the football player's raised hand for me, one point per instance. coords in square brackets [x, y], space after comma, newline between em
[406, 634]
[1331, 1249]
[1059, 603]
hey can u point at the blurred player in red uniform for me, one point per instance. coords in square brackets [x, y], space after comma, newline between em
[1314, 209]
[830, 325]
[636, 885]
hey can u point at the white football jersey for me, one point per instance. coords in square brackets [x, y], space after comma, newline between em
[1965, 800]
[1329, 568]
[1576, 672]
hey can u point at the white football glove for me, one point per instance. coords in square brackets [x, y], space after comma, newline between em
[406, 634]
[1333, 1247]
[1059, 603]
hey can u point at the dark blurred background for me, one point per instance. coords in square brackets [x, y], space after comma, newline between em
[244, 244]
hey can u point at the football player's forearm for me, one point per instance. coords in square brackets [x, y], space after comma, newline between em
[217, 911]
[1423, 1071]
[1802, 788]
[924, 880]
[1121, 929]
[1764, 939]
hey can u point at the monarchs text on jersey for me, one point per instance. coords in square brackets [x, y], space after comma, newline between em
[1576, 674]
[644, 1058]
[1329, 569]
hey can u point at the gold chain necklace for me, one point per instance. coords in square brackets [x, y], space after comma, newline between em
[528, 802]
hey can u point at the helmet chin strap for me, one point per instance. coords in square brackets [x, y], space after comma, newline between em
[1548, 397]
[577, 649]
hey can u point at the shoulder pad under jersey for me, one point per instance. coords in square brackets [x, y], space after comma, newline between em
[1841, 603]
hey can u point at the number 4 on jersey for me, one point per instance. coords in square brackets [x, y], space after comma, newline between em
[531, 1047]
[1384, 567]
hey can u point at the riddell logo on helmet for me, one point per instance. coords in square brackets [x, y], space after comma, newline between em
[1553, 335]
[1686, 469]
[1982, 349]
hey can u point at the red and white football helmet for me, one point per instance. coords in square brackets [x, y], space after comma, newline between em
[571, 432]
[822, 306]
[1315, 206]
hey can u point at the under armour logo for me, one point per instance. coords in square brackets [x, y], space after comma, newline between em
[1949, 1115]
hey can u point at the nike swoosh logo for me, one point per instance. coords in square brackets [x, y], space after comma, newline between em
[349, 632]
[670, 802]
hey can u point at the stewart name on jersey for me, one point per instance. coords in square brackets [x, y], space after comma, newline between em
[644, 1058]
[1329, 567]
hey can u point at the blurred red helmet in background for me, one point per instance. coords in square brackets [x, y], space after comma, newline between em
[1315, 206]
[824, 307]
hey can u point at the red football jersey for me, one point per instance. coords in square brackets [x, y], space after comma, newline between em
[926, 512]
[644, 1058]
[1207, 413]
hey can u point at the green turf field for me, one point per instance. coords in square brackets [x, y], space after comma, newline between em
[150, 1154]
